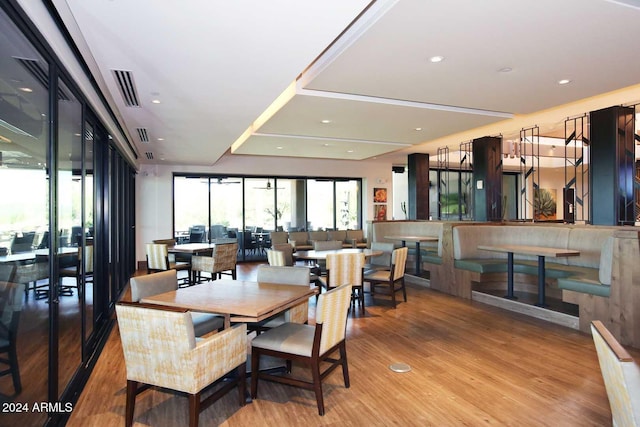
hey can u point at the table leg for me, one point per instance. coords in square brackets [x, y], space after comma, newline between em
[541, 283]
[418, 262]
[510, 294]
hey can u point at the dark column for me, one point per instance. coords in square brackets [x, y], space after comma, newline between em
[418, 186]
[487, 178]
[611, 167]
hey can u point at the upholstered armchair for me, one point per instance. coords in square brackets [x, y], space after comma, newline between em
[310, 345]
[160, 349]
[166, 281]
[158, 260]
[380, 262]
[281, 254]
[222, 261]
[392, 279]
[347, 269]
[621, 376]
[11, 296]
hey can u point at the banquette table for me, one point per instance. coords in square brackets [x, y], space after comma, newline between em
[541, 252]
[417, 240]
[236, 300]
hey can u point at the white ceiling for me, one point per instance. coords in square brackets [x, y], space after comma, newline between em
[217, 66]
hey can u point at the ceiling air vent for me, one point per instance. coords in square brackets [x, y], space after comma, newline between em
[127, 87]
[40, 73]
[143, 135]
[149, 155]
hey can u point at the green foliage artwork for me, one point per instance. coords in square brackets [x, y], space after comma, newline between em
[544, 204]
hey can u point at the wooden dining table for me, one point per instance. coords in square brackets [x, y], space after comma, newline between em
[318, 255]
[541, 252]
[236, 300]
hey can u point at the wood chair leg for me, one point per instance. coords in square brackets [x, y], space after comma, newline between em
[132, 387]
[393, 294]
[194, 409]
[255, 364]
[317, 385]
[345, 367]
[404, 290]
[15, 370]
[242, 383]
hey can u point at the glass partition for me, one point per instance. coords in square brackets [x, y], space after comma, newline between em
[320, 204]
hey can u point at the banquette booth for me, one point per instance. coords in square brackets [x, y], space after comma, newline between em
[592, 270]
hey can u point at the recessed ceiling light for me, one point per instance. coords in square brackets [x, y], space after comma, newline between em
[437, 58]
[349, 151]
[160, 139]
[564, 81]
[326, 145]
[325, 121]
[26, 89]
[505, 70]
[155, 101]
[278, 148]
[418, 129]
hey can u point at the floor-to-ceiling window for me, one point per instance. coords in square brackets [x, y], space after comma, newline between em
[249, 208]
[66, 226]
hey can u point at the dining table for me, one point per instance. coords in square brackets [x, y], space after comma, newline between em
[539, 251]
[417, 240]
[237, 300]
[322, 255]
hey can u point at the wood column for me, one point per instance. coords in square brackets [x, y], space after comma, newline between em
[487, 178]
[418, 186]
[611, 166]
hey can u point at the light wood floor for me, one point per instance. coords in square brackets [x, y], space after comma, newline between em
[471, 364]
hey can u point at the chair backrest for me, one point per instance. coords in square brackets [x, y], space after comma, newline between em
[11, 297]
[287, 249]
[331, 312]
[621, 377]
[399, 261]
[385, 258]
[153, 284]
[7, 272]
[326, 245]
[283, 275]
[225, 256]
[168, 242]
[23, 243]
[154, 343]
[217, 231]
[275, 258]
[344, 269]
[157, 256]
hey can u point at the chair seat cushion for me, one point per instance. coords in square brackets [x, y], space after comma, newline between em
[378, 275]
[291, 338]
[273, 322]
[203, 323]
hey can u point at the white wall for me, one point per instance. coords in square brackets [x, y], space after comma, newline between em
[154, 209]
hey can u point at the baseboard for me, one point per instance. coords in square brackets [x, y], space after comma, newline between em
[417, 280]
[528, 310]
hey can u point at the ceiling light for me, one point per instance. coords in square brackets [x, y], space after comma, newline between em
[26, 89]
[564, 81]
[435, 59]
[505, 70]
[349, 151]
[326, 145]
[155, 101]
[325, 121]
[160, 139]
[418, 129]
[278, 148]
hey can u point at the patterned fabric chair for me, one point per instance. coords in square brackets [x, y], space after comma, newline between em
[283, 275]
[223, 260]
[166, 281]
[11, 296]
[393, 279]
[282, 255]
[160, 349]
[158, 260]
[76, 272]
[621, 377]
[310, 345]
[347, 269]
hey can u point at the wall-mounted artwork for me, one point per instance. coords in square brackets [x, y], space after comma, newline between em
[544, 204]
[379, 195]
[380, 212]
